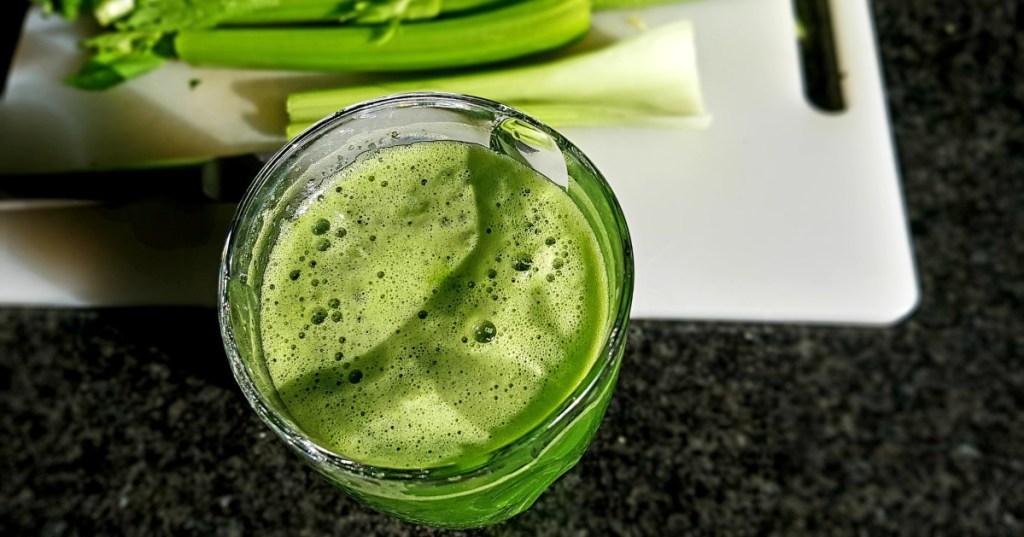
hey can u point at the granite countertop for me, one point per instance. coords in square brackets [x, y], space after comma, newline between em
[127, 422]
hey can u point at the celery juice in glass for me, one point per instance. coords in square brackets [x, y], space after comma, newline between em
[434, 318]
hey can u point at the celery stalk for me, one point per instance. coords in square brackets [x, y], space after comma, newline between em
[651, 79]
[493, 35]
[298, 11]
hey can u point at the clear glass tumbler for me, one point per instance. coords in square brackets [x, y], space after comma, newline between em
[465, 494]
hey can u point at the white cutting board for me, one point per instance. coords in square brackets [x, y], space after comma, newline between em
[777, 212]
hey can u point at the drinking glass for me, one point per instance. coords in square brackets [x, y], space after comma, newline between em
[466, 493]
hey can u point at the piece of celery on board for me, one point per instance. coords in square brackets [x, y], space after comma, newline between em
[649, 80]
[510, 31]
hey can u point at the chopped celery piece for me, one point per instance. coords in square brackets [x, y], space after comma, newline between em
[651, 80]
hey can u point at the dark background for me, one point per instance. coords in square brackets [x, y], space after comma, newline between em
[128, 422]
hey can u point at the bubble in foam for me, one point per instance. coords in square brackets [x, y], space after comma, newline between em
[485, 332]
[522, 262]
[294, 275]
[321, 226]
[319, 315]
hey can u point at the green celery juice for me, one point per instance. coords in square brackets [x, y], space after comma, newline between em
[432, 303]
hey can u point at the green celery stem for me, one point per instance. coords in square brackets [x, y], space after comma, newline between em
[295, 11]
[508, 32]
[292, 11]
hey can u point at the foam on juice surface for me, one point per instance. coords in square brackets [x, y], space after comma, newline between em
[432, 302]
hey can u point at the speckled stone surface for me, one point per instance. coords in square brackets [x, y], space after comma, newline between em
[126, 422]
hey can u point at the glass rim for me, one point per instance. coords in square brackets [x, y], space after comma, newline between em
[291, 433]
